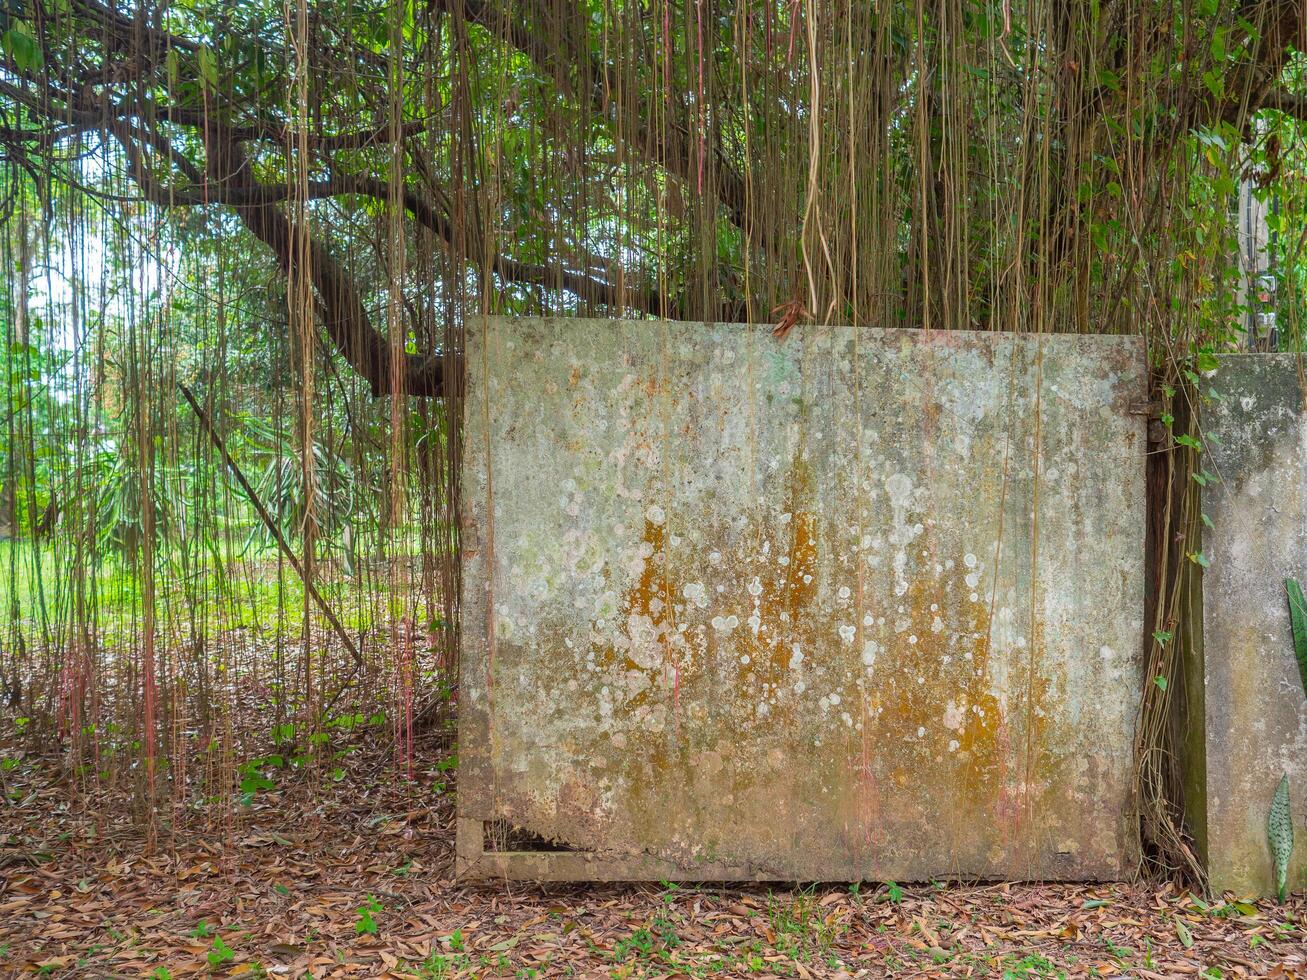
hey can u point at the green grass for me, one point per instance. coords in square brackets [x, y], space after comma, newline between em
[220, 587]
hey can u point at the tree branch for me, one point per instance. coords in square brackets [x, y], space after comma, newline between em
[669, 146]
[237, 190]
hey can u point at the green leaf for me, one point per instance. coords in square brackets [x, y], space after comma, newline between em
[1279, 833]
[366, 922]
[172, 65]
[255, 782]
[208, 65]
[1214, 82]
[221, 952]
[1186, 937]
[22, 46]
[1217, 45]
[1187, 440]
[1162, 636]
[1298, 622]
[1160, 681]
[1198, 558]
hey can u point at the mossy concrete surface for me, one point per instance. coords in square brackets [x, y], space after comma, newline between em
[1250, 710]
[862, 604]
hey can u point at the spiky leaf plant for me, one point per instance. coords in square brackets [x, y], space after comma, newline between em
[1298, 620]
[1279, 832]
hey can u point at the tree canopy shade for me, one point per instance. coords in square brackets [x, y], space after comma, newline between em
[292, 208]
[946, 164]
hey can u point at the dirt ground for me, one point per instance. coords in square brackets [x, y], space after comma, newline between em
[348, 874]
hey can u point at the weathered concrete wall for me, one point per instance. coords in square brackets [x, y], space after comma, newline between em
[1250, 708]
[864, 604]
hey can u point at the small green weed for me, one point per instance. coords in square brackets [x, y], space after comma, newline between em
[366, 922]
[434, 967]
[221, 953]
[640, 943]
[1033, 966]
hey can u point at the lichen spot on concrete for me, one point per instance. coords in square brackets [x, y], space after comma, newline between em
[869, 650]
[606, 605]
[954, 716]
[696, 593]
[899, 488]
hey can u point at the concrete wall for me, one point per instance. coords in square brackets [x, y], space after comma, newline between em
[1249, 715]
[862, 604]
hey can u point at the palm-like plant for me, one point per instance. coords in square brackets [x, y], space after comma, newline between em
[339, 495]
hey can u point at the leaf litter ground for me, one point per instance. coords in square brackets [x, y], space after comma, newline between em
[349, 874]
